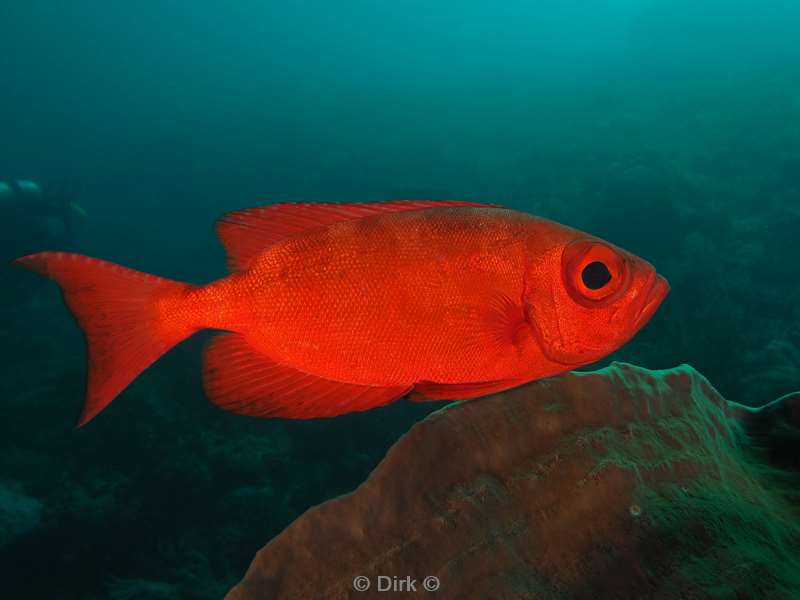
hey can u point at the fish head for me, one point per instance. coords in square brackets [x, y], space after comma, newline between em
[585, 298]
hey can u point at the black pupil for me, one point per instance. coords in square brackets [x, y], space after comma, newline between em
[595, 275]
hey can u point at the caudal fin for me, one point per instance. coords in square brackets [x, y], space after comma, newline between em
[128, 318]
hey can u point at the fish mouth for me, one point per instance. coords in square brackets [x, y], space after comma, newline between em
[653, 298]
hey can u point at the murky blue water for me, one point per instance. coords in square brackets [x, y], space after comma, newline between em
[669, 128]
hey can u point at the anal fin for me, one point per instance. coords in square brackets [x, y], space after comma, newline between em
[240, 379]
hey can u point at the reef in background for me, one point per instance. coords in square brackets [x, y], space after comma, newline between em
[617, 483]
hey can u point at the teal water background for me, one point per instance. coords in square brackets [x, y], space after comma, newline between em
[671, 128]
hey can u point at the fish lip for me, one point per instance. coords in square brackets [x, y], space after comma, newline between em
[656, 292]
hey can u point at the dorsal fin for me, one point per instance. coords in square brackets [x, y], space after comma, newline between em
[246, 233]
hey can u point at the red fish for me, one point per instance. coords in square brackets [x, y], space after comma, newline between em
[333, 308]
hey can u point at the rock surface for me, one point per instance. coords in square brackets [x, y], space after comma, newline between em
[619, 483]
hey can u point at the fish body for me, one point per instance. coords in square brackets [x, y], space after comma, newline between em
[332, 308]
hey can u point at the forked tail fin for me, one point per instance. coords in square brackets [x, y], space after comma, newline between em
[129, 318]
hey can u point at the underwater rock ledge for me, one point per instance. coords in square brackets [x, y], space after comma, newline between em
[618, 483]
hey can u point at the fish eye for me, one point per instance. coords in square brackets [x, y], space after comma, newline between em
[593, 271]
[595, 275]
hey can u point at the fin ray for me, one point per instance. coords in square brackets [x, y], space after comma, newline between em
[115, 308]
[256, 385]
[505, 320]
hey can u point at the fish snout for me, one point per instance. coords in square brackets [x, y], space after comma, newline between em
[655, 290]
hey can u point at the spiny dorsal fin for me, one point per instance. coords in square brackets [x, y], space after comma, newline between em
[246, 233]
